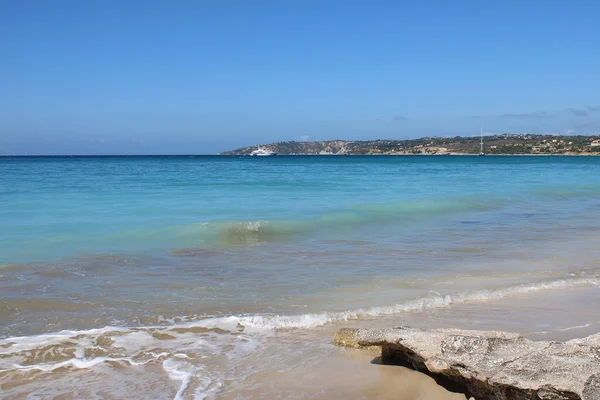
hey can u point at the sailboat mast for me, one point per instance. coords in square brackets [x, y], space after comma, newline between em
[481, 143]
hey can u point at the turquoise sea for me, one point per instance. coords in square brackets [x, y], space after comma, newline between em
[190, 276]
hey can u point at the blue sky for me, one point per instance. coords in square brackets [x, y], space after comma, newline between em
[106, 77]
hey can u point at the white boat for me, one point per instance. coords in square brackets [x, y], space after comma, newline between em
[260, 152]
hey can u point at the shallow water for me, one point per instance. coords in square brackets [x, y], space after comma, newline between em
[185, 277]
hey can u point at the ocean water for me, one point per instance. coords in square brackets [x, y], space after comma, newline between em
[213, 277]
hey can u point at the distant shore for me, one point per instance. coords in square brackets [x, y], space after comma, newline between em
[506, 145]
[425, 155]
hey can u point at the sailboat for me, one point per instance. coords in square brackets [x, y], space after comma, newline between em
[481, 153]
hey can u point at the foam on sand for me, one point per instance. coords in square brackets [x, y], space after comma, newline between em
[192, 353]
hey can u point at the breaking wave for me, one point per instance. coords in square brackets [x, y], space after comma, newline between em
[432, 301]
[247, 233]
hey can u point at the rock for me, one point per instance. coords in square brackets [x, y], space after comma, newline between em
[490, 365]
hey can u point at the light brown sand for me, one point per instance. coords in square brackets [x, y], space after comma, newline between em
[348, 374]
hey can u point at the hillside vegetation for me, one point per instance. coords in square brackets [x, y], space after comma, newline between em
[508, 144]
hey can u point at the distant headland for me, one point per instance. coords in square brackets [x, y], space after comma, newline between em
[506, 144]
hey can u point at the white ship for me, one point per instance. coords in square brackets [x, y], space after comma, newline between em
[260, 152]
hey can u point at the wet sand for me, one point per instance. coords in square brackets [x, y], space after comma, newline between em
[349, 374]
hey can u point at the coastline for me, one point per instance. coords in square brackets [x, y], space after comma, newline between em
[421, 155]
[360, 374]
[479, 356]
[118, 156]
[293, 361]
[505, 144]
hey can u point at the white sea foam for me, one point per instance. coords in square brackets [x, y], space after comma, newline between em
[194, 378]
[253, 225]
[434, 300]
[569, 328]
[132, 337]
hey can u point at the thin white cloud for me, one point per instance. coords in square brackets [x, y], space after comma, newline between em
[578, 112]
[533, 115]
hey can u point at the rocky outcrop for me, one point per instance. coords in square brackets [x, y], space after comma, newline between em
[490, 365]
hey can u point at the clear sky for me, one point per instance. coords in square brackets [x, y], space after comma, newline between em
[203, 76]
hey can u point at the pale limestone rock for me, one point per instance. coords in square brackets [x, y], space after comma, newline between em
[491, 365]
